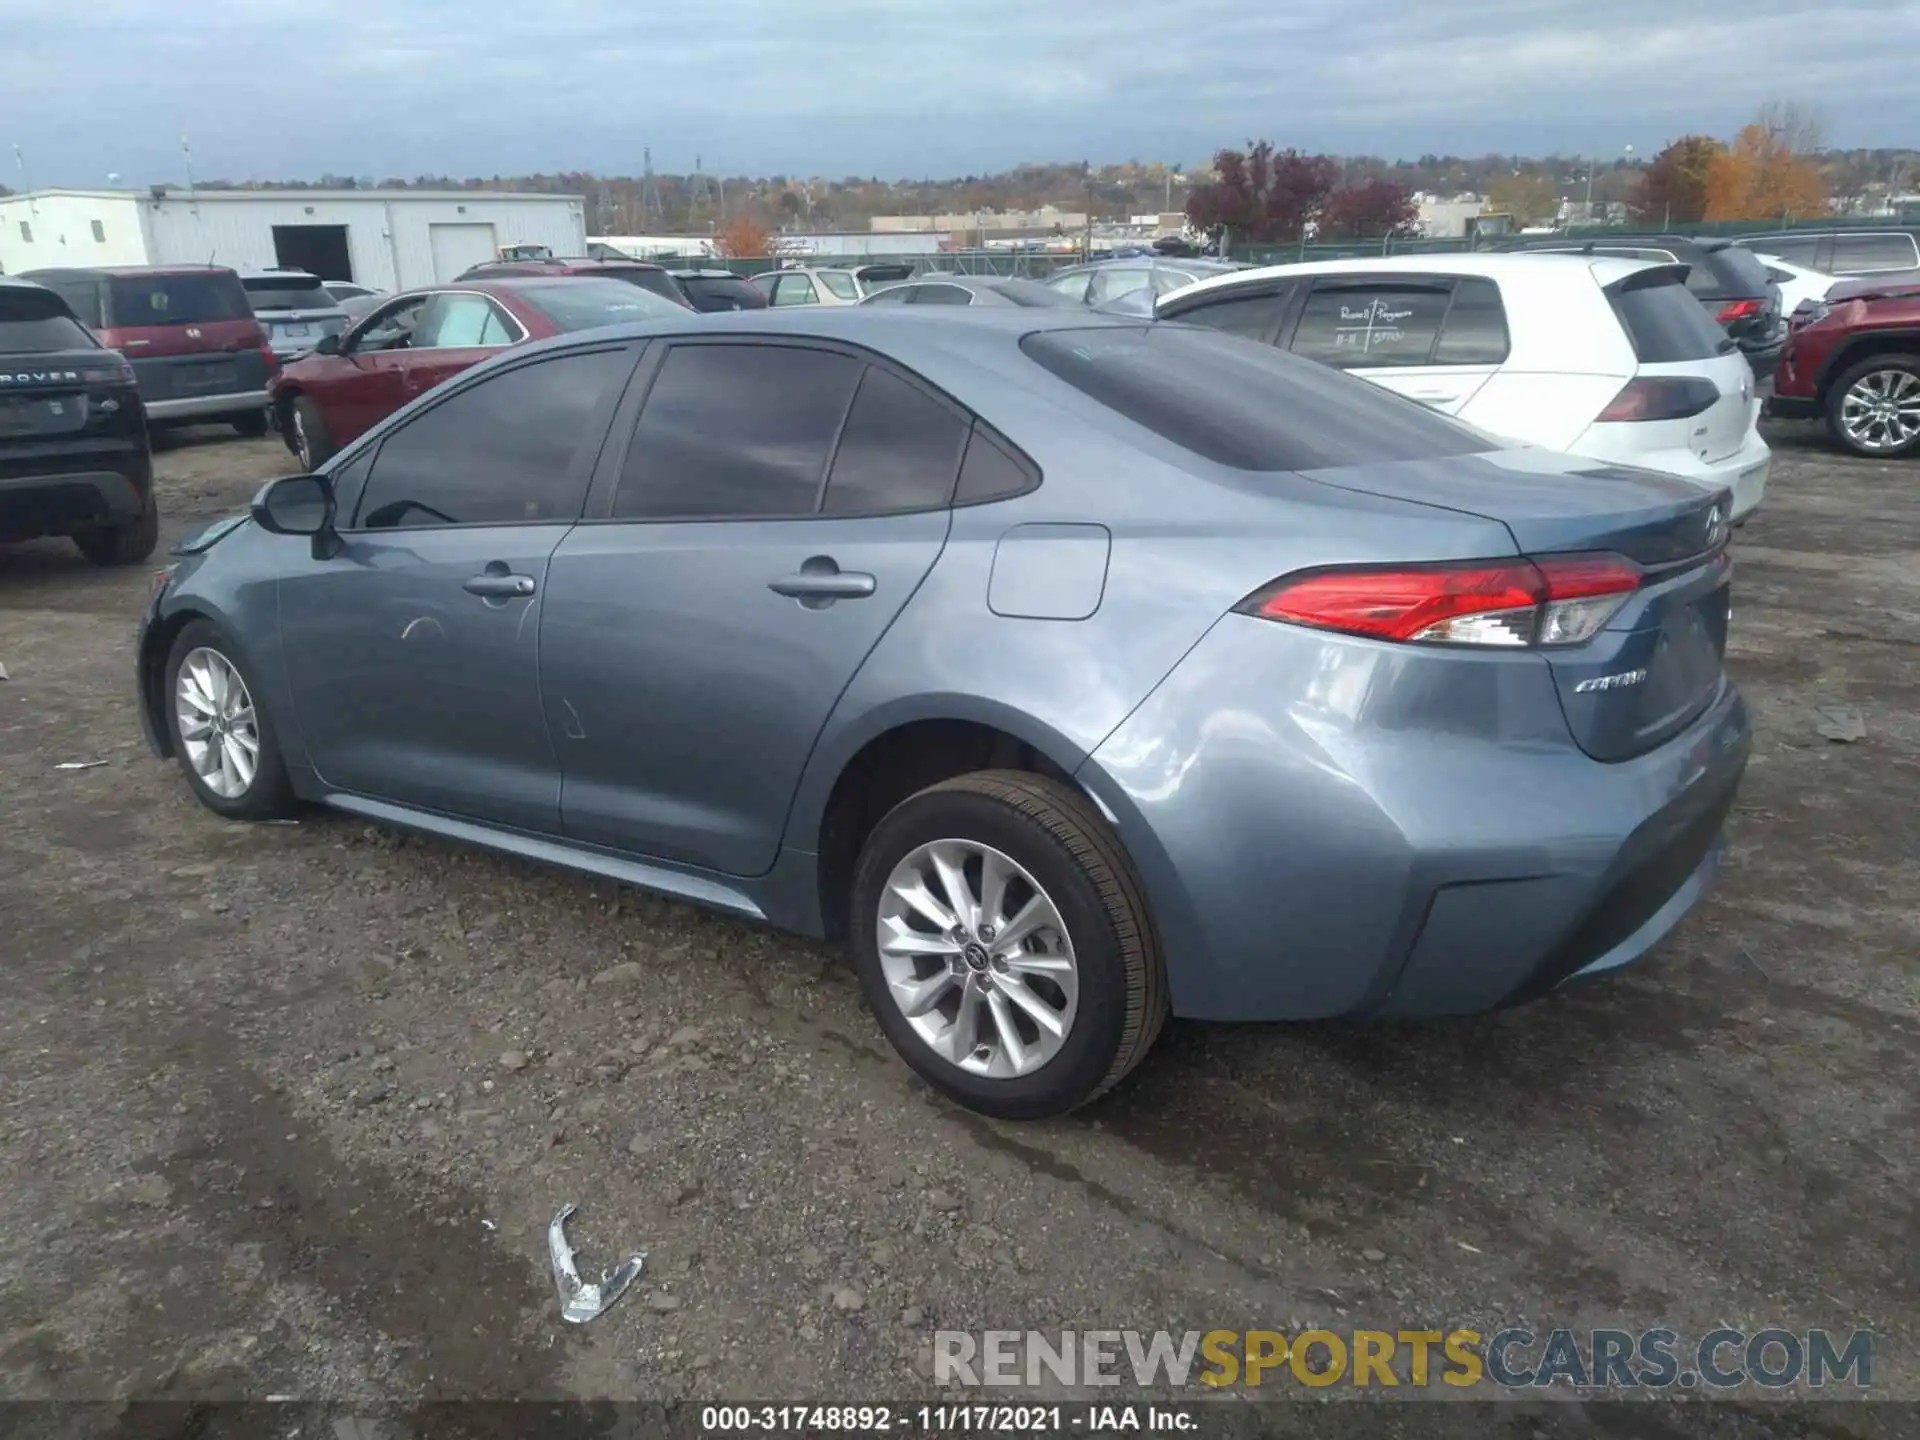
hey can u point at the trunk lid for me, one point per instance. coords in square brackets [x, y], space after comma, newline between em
[1673, 339]
[1660, 660]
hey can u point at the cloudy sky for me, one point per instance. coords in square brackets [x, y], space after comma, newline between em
[294, 88]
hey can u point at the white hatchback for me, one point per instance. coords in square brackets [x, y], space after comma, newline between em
[1594, 356]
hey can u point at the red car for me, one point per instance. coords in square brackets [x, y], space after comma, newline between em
[1854, 360]
[348, 383]
[655, 278]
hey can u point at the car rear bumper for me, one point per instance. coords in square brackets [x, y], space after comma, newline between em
[194, 407]
[54, 498]
[1331, 827]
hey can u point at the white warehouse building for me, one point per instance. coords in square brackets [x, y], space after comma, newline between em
[383, 239]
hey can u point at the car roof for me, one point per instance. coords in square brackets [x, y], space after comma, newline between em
[1605, 269]
[558, 263]
[1629, 238]
[133, 270]
[698, 274]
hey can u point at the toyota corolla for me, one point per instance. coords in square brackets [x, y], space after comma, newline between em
[1076, 671]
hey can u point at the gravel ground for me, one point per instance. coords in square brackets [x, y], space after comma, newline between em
[286, 1109]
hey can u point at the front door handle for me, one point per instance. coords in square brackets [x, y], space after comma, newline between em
[498, 587]
[820, 581]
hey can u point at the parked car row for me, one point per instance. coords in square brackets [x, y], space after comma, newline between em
[677, 603]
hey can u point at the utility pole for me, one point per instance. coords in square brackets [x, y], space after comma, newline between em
[1086, 174]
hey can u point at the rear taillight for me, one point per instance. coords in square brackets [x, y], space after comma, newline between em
[1661, 397]
[1739, 310]
[266, 354]
[1547, 601]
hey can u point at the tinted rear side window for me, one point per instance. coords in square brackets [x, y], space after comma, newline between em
[898, 451]
[1251, 316]
[1248, 406]
[1368, 326]
[134, 301]
[1874, 252]
[35, 323]
[504, 451]
[1475, 331]
[280, 293]
[1667, 325]
[736, 431]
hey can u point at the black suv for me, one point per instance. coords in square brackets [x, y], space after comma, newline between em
[74, 458]
[1727, 279]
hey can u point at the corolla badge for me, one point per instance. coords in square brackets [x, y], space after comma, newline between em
[1610, 682]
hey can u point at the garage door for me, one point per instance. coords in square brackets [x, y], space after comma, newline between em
[456, 247]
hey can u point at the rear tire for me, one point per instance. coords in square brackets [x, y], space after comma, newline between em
[127, 543]
[309, 437]
[1873, 408]
[252, 425]
[222, 734]
[1091, 971]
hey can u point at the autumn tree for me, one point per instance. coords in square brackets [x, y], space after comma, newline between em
[1673, 191]
[1527, 195]
[743, 238]
[1368, 209]
[1261, 194]
[1761, 178]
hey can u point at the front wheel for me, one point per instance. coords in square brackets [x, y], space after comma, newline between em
[312, 442]
[1004, 944]
[1874, 408]
[224, 740]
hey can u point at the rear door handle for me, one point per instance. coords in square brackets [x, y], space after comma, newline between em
[820, 579]
[498, 587]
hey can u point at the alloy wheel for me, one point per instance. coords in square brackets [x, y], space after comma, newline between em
[977, 958]
[218, 728]
[1881, 410]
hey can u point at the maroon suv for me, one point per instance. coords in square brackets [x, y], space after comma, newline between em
[1855, 360]
[188, 331]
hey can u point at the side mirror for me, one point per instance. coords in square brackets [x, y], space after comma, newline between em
[298, 505]
[329, 345]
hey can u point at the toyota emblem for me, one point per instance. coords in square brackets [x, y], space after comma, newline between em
[1716, 526]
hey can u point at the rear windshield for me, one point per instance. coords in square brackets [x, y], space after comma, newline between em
[1667, 325]
[722, 292]
[32, 323]
[584, 302]
[1740, 271]
[1248, 406]
[659, 282]
[134, 301]
[287, 292]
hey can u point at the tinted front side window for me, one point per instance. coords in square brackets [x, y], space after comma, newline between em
[1248, 406]
[1667, 325]
[137, 300]
[502, 452]
[1858, 253]
[1370, 326]
[898, 451]
[732, 431]
[1251, 316]
[459, 322]
[1475, 331]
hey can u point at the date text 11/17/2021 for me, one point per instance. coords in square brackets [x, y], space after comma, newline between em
[947, 1419]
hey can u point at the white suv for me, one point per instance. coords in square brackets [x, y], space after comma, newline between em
[1601, 357]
